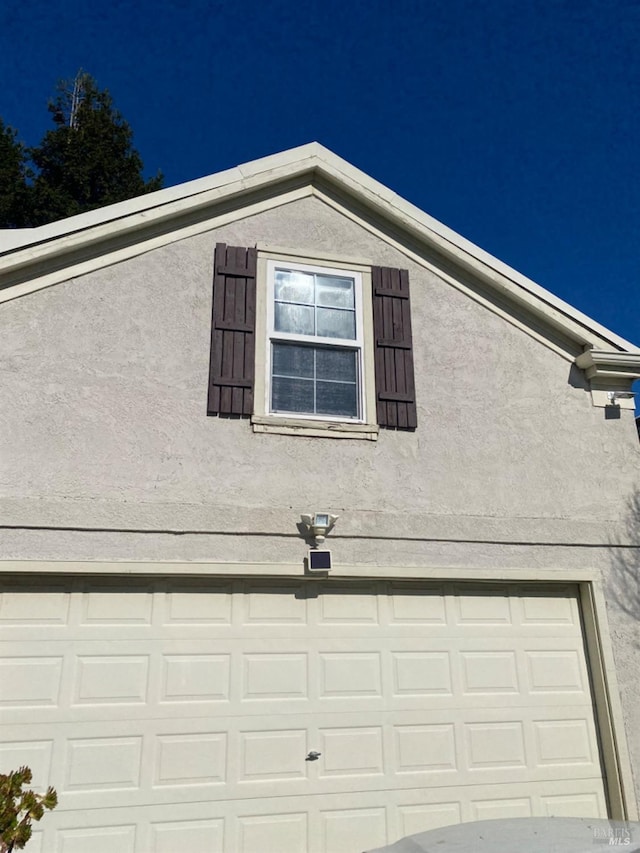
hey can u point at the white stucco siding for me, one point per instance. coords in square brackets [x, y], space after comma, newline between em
[106, 380]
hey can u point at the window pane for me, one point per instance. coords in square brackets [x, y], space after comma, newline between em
[297, 319]
[334, 323]
[292, 395]
[334, 291]
[336, 398]
[292, 286]
[292, 360]
[336, 364]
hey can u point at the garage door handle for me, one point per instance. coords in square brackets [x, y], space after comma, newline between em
[313, 756]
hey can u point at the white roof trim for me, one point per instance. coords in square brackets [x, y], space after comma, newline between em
[610, 371]
[28, 255]
[604, 366]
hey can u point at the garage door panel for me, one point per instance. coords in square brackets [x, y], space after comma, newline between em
[22, 747]
[537, 607]
[168, 836]
[195, 606]
[449, 666]
[98, 839]
[103, 763]
[159, 616]
[340, 604]
[19, 609]
[126, 607]
[202, 701]
[255, 825]
[262, 605]
[30, 680]
[411, 605]
[487, 739]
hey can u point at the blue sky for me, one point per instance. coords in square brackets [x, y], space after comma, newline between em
[515, 122]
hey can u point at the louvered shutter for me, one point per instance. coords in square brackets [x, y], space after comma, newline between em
[395, 386]
[233, 331]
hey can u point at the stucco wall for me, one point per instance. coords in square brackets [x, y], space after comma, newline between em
[104, 400]
[107, 452]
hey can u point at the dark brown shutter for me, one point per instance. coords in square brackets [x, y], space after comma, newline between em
[395, 386]
[232, 331]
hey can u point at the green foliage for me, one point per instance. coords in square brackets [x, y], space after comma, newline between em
[13, 178]
[18, 808]
[86, 161]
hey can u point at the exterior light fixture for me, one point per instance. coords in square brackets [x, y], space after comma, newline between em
[319, 525]
[614, 396]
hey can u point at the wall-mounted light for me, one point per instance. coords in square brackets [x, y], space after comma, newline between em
[319, 524]
[614, 396]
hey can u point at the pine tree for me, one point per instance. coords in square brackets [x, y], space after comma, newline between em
[88, 159]
[13, 180]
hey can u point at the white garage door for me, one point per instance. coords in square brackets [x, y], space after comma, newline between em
[182, 715]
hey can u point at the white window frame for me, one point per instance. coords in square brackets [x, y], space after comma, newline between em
[264, 420]
[355, 344]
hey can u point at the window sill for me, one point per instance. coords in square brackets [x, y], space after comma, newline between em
[314, 429]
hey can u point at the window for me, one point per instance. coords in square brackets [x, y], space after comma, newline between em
[314, 359]
[314, 346]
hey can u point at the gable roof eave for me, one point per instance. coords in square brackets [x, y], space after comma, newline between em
[587, 332]
[161, 203]
[58, 246]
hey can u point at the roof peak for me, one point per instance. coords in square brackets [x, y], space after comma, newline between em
[50, 252]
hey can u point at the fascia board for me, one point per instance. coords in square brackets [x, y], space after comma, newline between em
[44, 234]
[229, 178]
[144, 220]
[14, 238]
[309, 162]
